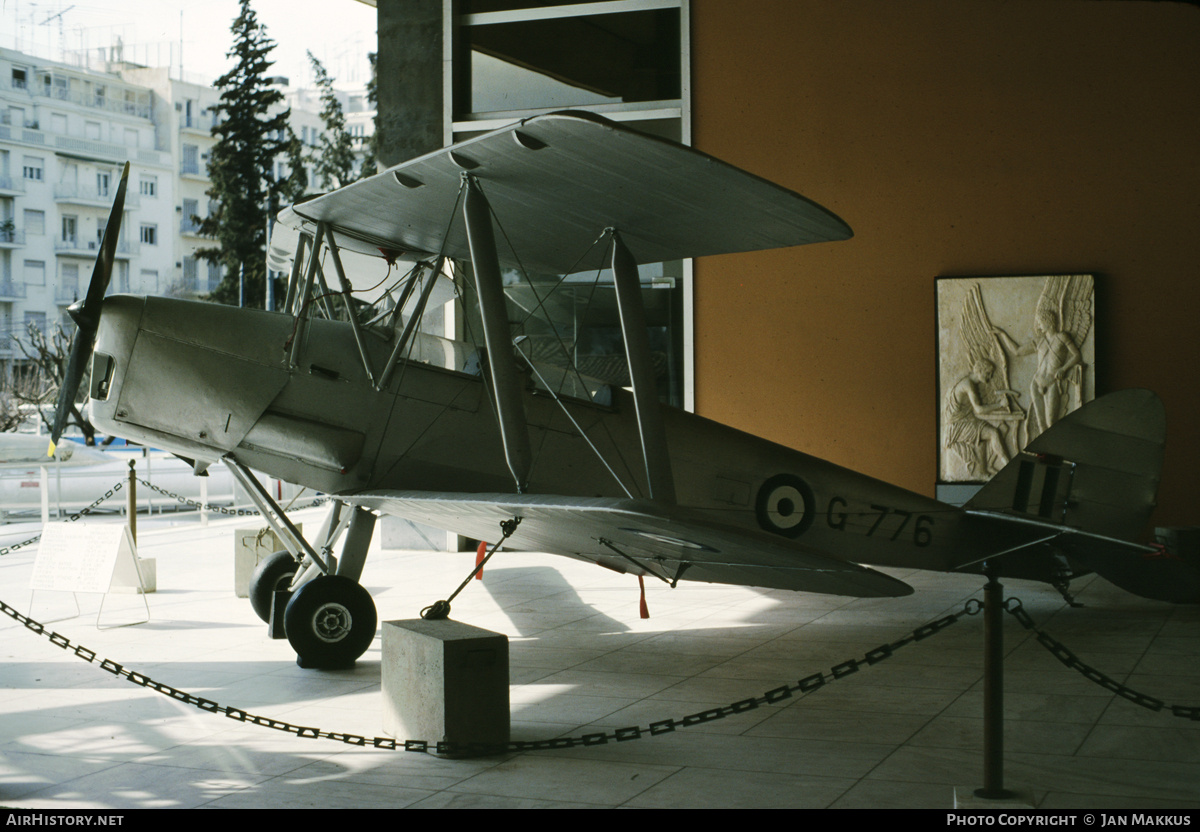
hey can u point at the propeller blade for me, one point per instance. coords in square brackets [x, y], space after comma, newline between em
[87, 315]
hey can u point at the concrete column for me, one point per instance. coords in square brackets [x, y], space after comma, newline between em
[409, 79]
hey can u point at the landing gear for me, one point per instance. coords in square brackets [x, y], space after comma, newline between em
[330, 622]
[330, 619]
[272, 573]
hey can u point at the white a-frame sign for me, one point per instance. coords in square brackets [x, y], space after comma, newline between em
[88, 557]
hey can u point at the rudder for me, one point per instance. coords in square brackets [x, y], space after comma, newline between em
[1097, 469]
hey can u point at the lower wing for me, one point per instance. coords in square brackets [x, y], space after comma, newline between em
[639, 537]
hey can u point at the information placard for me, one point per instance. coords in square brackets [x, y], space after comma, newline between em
[84, 557]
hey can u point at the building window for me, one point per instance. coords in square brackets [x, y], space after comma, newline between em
[149, 234]
[214, 276]
[70, 230]
[627, 60]
[190, 222]
[507, 60]
[148, 186]
[36, 320]
[35, 222]
[68, 283]
[35, 272]
[34, 168]
[19, 79]
[191, 159]
[102, 183]
[149, 281]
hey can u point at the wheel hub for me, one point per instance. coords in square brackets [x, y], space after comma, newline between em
[332, 622]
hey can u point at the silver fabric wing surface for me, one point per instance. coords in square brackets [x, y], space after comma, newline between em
[555, 182]
[669, 541]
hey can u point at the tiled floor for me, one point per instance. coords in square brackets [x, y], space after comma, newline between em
[904, 733]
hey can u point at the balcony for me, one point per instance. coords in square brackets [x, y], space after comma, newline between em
[85, 195]
[10, 291]
[198, 124]
[10, 185]
[90, 248]
[190, 227]
[195, 169]
[12, 237]
[66, 295]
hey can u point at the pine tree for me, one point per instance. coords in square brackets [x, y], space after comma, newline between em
[240, 163]
[370, 159]
[334, 164]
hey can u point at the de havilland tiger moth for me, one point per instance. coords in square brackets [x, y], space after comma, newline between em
[508, 439]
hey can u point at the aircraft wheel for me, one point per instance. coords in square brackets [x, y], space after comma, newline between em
[330, 622]
[273, 572]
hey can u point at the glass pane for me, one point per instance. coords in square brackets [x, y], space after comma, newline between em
[570, 328]
[573, 61]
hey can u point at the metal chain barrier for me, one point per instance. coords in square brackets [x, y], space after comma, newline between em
[804, 686]
[238, 512]
[233, 512]
[1060, 652]
[71, 519]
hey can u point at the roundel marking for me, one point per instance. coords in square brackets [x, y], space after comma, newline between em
[785, 505]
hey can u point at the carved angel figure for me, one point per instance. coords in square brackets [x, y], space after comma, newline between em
[1060, 325]
[980, 409]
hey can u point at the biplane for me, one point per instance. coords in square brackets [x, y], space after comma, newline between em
[506, 439]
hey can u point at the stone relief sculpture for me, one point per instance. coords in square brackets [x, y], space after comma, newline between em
[1062, 322]
[1015, 356]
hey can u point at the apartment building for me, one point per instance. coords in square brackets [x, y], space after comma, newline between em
[65, 134]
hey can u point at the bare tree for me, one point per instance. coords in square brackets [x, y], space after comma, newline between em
[16, 388]
[36, 379]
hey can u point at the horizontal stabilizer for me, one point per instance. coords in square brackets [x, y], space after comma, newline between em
[1154, 573]
[1090, 482]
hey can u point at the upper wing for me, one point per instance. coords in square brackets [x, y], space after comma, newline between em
[555, 182]
[669, 541]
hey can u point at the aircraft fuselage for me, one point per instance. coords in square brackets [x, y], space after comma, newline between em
[204, 380]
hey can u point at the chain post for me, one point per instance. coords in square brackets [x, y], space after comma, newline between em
[204, 494]
[132, 502]
[993, 690]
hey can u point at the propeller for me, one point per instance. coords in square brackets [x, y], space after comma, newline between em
[86, 314]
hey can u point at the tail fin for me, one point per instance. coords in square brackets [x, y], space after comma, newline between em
[1096, 469]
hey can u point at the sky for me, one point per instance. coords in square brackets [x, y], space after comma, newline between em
[339, 32]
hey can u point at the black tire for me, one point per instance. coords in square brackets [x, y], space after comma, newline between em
[330, 622]
[273, 573]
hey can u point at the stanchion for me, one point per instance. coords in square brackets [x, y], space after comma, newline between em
[132, 504]
[993, 691]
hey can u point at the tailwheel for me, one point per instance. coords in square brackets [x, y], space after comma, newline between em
[273, 573]
[330, 622]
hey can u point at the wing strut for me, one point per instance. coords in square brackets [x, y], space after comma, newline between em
[641, 372]
[299, 306]
[413, 320]
[507, 384]
[348, 301]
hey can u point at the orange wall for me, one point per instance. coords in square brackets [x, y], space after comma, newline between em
[956, 137]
